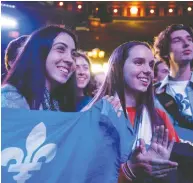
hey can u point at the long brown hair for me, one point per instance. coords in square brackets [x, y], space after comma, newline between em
[114, 83]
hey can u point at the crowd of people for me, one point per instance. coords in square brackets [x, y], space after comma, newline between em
[151, 86]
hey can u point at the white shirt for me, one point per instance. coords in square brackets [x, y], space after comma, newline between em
[178, 91]
[145, 130]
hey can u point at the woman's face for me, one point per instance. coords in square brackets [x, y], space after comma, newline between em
[138, 69]
[60, 62]
[82, 72]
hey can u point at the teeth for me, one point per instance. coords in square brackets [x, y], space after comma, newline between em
[81, 79]
[62, 69]
[143, 79]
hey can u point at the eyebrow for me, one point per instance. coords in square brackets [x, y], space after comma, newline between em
[139, 58]
[64, 44]
[178, 37]
[82, 65]
[60, 43]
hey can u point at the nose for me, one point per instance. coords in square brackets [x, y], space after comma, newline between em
[186, 43]
[79, 71]
[69, 59]
[147, 69]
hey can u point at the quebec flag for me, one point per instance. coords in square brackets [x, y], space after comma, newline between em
[57, 147]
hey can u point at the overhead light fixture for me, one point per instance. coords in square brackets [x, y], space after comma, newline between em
[134, 10]
[152, 11]
[170, 10]
[79, 6]
[61, 3]
[89, 53]
[115, 10]
[7, 5]
[189, 9]
[101, 54]
[8, 22]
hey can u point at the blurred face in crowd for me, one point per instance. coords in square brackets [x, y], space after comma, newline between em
[181, 47]
[98, 81]
[162, 72]
[83, 74]
[138, 69]
[60, 62]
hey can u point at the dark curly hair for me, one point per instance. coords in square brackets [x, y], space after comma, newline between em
[162, 41]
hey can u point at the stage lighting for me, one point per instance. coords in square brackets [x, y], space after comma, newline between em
[79, 6]
[134, 10]
[170, 10]
[152, 11]
[61, 3]
[189, 9]
[8, 22]
[101, 54]
[115, 10]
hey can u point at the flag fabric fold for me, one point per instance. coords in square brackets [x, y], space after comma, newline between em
[58, 147]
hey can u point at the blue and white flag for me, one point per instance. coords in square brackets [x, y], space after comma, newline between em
[56, 147]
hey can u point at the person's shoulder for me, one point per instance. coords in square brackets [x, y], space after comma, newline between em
[8, 88]
[12, 98]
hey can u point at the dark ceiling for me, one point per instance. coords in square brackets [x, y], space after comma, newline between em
[107, 37]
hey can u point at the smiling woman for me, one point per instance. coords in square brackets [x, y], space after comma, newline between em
[130, 77]
[43, 75]
[84, 80]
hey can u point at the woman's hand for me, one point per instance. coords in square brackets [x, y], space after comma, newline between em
[115, 102]
[160, 146]
[154, 161]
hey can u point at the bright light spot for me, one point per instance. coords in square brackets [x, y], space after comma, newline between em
[8, 5]
[101, 54]
[134, 10]
[152, 11]
[189, 9]
[8, 22]
[100, 68]
[170, 10]
[61, 3]
[96, 68]
[105, 67]
[97, 9]
[95, 23]
[115, 10]
[95, 52]
[90, 53]
[79, 6]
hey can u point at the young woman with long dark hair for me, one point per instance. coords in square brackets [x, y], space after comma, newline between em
[43, 76]
[130, 77]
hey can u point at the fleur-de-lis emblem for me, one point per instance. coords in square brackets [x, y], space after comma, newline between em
[35, 151]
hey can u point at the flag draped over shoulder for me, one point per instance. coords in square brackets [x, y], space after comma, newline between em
[56, 147]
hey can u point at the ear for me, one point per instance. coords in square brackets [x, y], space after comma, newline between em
[154, 80]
